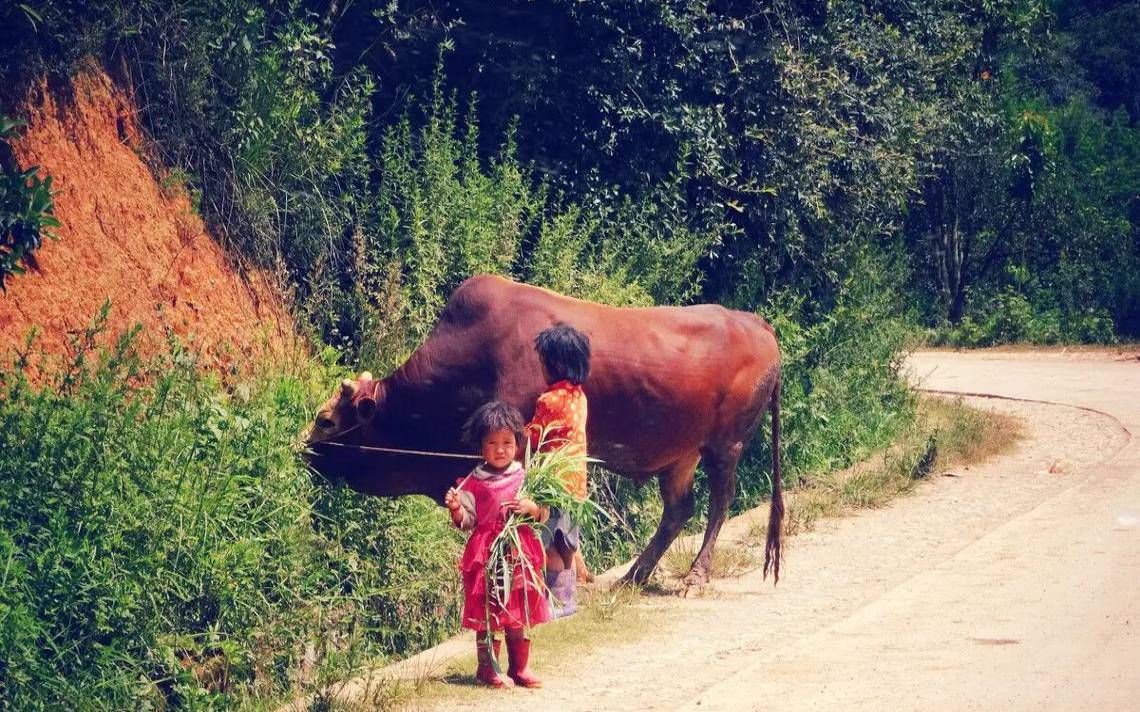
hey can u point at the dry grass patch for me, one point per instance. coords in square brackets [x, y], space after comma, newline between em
[605, 617]
[966, 435]
[728, 560]
[946, 433]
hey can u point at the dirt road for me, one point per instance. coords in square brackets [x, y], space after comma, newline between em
[1000, 587]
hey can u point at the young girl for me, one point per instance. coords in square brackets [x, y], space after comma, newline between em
[561, 411]
[481, 503]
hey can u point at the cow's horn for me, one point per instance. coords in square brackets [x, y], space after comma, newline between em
[366, 375]
[347, 388]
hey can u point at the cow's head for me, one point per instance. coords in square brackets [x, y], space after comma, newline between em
[355, 419]
[348, 412]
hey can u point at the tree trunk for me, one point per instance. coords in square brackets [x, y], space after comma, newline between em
[958, 305]
[951, 251]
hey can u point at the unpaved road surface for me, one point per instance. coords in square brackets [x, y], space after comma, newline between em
[1003, 586]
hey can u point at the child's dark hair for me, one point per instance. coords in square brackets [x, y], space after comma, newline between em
[566, 353]
[491, 417]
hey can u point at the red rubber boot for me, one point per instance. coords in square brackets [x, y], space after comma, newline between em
[518, 652]
[485, 673]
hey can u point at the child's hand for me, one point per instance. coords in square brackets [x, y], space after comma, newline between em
[525, 507]
[451, 499]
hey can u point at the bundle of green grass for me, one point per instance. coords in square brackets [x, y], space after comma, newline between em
[545, 484]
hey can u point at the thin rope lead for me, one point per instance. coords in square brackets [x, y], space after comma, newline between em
[398, 451]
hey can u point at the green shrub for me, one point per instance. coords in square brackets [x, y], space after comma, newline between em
[27, 209]
[843, 394]
[1010, 319]
[1013, 317]
[163, 547]
[440, 215]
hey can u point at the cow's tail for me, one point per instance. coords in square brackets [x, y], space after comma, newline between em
[773, 547]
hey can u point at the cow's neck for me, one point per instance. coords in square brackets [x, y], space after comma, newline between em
[428, 399]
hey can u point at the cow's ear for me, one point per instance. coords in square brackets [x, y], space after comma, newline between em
[369, 397]
[365, 408]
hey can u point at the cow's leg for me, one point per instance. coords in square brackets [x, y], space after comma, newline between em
[720, 467]
[676, 484]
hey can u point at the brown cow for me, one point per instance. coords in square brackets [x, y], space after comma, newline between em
[668, 387]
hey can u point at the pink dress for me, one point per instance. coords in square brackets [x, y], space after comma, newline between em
[482, 496]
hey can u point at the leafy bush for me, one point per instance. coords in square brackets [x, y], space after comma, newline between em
[1012, 316]
[162, 545]
[26, 209]
[441, 215]
[843, 394]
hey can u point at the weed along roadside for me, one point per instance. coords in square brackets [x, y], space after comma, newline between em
[179, 534]
[945, 434]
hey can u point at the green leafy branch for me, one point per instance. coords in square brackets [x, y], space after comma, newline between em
[27, 210]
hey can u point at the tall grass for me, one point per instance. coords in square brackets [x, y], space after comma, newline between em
[161, 546]
[441, 214]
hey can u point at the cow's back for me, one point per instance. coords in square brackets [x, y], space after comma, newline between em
[663, 380]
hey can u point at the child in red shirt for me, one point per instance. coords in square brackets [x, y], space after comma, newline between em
[480, 503]
[561, 412]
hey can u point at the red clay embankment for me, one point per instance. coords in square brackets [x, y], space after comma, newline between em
[129, 238]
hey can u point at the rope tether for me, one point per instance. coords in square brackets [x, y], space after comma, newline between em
[399, 451]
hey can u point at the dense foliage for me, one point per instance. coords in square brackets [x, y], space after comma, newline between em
[766, 146]
[1028, 226]
[162, 545]
[848, 169]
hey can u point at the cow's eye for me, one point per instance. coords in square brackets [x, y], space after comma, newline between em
[325, 423]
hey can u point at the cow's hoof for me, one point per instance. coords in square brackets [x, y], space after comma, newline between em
[629, 581]
[694, 584]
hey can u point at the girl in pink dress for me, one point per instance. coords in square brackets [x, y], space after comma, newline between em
[480, 503]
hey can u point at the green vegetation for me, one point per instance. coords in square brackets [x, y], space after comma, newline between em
[162, 546]
[380, 152]
[856, 172]
[1029, 227]
[442, 216]
[27, 210]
